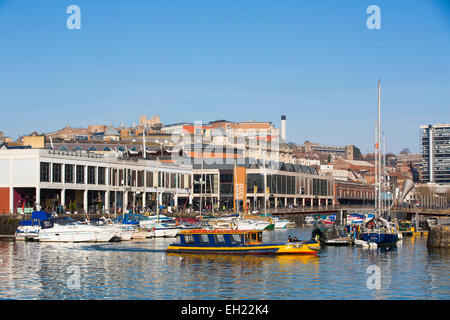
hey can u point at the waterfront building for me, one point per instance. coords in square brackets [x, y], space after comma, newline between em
[354, 193]
[40, 178]
[279, 185]
[435, 141]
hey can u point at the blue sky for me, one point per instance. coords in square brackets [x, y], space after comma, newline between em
[315, 61]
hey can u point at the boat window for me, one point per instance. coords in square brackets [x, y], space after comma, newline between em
[188, 238]
[236, 239]
[203, 238]
[219, 239]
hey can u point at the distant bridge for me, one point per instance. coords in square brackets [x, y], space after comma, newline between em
[355, 208]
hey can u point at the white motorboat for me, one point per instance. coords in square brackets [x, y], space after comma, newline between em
[141, 234]
[69, 230]
[238, 224]
[244, 224]
[147, 222]
[27, 232]
[280, 223]
[365, 244]
[311, 220]
[124, 231]
[29, 229]
[159, 230]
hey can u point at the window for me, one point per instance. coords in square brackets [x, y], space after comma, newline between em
[219, 239]
[80, 174]
[101, 175]
[235, 239]
[68, 178]
[121, 177]
[149, 179]
[45, 172]
[203, 238]
[140, 178]
[57, 172]
[128, 177]
[91, 175]
[113, 177]
[188, 238]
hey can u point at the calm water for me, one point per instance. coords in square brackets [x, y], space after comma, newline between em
[142, 270]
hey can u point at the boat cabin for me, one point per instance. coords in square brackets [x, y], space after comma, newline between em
[219, 238]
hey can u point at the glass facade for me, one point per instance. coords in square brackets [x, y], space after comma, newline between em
[435, 142]
[206, 183]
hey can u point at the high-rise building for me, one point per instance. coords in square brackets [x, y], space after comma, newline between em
[436, 153]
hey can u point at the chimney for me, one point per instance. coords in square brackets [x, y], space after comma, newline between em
[283, 127]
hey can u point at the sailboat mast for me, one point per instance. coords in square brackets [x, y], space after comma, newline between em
[384, 173]
[376, 167]
[379, 148]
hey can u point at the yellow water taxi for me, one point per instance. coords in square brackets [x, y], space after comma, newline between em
[236, 242]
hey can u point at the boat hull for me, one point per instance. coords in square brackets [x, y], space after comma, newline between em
[73, 234]
[165, 232]
[300, 248]
[380, 238]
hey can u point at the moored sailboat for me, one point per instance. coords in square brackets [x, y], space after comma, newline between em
[378, 230]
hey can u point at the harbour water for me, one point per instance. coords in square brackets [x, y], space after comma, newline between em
[142, 270]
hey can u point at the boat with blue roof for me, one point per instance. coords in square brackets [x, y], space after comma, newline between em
[228, 241]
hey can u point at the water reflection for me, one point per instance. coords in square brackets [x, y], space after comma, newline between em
[142, 270]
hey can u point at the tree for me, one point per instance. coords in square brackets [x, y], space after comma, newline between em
[356, 153]
[405, 151]
[292, 145]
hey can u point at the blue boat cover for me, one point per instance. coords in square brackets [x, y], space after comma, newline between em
[130, 218]
[40, 215]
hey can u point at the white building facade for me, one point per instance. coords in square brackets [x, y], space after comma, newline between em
[82, 182]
